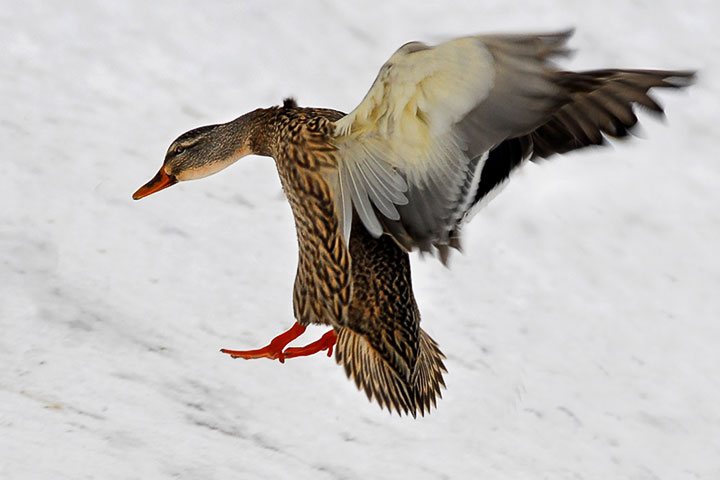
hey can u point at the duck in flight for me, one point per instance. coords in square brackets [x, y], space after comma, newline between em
[440, 131]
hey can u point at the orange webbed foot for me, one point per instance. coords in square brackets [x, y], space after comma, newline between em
[276, 349]
[272, 351]
[326, 342]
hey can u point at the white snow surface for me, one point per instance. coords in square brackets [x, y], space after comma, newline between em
[581, 325]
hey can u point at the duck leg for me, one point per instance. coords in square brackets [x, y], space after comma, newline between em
[276, 348]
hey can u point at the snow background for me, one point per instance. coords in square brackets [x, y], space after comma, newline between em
[581, 324]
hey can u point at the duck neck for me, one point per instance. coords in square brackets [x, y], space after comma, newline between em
[258, 130]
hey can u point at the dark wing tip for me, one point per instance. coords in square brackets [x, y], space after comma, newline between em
[289, 102]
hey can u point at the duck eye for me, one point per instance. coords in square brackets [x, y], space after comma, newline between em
[179, 150]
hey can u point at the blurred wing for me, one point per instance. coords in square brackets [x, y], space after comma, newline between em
[600, 106]
[411, 151]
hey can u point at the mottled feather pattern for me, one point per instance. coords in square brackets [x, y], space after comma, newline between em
[382, 346]
[322, 286]
[436, 137]
[363, 288]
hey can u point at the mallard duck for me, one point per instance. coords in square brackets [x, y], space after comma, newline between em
[438, 134]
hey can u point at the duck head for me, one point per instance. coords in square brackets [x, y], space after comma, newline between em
[202, 152]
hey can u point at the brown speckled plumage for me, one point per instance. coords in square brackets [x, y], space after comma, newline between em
[364, 292]
[438, 134]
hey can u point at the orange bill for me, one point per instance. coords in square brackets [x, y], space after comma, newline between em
[157, 183]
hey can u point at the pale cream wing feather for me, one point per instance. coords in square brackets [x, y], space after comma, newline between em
[411, 151]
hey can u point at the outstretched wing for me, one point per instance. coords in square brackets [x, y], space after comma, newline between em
[411, 151]
[442, 128]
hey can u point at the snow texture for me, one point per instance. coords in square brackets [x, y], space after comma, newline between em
[581, 325]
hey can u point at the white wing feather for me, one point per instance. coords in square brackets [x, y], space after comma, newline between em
[410, 149]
